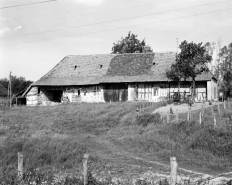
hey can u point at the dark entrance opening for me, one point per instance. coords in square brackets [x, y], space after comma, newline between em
[54, 95]
[116, 92]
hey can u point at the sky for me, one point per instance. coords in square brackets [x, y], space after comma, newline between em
[35, 35]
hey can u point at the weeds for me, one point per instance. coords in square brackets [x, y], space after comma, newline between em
[54, 139]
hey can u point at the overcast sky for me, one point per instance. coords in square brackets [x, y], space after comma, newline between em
[34, 38]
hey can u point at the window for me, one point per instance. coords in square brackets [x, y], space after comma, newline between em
[155, 91]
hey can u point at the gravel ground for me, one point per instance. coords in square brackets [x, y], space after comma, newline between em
[184, 107]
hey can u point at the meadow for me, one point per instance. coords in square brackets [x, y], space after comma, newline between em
[54, 139]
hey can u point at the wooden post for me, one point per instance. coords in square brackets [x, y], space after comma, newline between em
[189, 113]
[212, 110]
[200, 120]
[110, 102]
[173, 170]
[224, 104]
[20, 166]
[214, 120]
[219, 109]
[85, 168]
[188, 116]
[168, 118]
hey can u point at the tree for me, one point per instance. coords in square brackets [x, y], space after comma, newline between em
[191, 62]
[175, 74]
[130, 44]
[224, 70]
[18, 83]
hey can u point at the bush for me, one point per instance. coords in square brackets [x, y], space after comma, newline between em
[146, 119]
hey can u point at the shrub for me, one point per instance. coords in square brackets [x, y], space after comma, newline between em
[146, 119]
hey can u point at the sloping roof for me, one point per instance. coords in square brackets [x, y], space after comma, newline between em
[111, 68]
[3, 90]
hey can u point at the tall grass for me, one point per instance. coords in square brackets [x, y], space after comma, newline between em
[54, 139]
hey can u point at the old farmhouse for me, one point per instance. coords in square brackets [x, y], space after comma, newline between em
[114, 77]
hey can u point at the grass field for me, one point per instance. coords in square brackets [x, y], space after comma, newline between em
[54, 140]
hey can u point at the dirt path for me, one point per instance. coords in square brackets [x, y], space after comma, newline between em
[118, 155]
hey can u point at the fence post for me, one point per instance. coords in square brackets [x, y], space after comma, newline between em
[20, 166]
[214, 120]
[200, 120]
[219, 109]
[173, 170]
[85, 168]
[168, 118]
[212, 110]
[188, 116]
[224, 104]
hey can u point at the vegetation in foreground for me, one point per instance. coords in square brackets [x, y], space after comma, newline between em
[54, 139]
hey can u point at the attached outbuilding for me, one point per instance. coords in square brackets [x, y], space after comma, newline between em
[115, 78]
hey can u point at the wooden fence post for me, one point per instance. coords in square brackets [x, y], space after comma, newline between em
[214, 120]
[20, 166]
[85, 168]
[224, 104]
[219, 109]
[200, 120]
[173, 170]
[212, 110]
[168, 118]
[188, 116]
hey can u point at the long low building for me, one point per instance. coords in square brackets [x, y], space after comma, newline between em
[115, 78]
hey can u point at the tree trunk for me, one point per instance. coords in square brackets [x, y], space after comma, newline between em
[194, 90]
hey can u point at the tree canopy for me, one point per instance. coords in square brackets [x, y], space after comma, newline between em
[130, 44]
[18, 83]
[190, 62]
[224, 70]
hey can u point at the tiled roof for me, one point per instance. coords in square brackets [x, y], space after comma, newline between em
[3, 90]
[111, 68]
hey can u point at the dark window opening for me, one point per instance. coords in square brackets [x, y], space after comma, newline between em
[79, 92]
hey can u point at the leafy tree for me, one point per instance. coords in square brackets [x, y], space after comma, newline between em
[224, 70]
[18, 84]
[191, 62]
[130, 44]
[175, 74]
